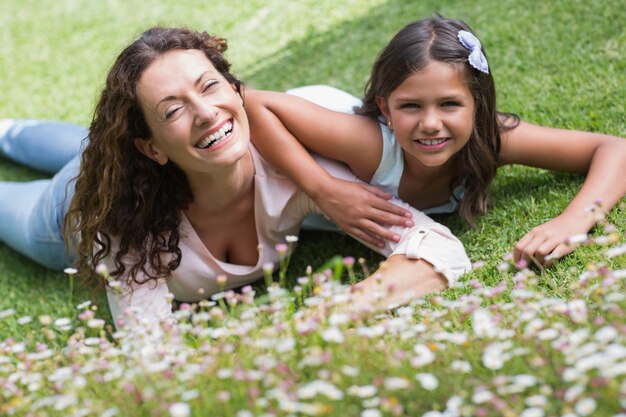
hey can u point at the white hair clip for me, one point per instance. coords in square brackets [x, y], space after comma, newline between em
[476, 57]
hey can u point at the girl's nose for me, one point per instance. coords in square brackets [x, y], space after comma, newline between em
[430, 122]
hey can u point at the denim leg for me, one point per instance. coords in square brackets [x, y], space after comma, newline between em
[31, 216]
[41, 145]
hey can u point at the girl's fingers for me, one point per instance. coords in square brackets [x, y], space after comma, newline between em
[366, 236]
[383, 217]
[543, 251]
[559, 251]
[375, 234]
[383, 204]
[534, 249]
[526, 246]
[548, 247]
[382, 232]
[547, 242]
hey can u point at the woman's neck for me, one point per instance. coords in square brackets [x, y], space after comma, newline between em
[221, 190]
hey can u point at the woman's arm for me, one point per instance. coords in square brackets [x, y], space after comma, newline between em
[602, 157]
[358, 209]
[149, 302]
[428, 259]
[397, 282]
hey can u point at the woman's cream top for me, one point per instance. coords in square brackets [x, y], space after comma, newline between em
[280, 208]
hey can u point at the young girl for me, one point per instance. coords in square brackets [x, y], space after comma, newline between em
[428, 132]
[170, 194]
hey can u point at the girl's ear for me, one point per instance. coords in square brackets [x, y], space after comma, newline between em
[152, 151]
[381, 102]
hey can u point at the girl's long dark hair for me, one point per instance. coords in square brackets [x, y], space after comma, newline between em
[121, 195]
[410, 50]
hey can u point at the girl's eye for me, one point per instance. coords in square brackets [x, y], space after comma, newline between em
[409, 106]
[451, 104]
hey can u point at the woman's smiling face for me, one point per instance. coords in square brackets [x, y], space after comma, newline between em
[196, 117]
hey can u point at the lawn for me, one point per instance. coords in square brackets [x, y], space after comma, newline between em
[504, 342]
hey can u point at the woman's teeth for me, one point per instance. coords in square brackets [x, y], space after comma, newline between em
[216, 137]
[431, 142]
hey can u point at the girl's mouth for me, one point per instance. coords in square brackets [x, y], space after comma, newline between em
[216, 138]
[431, 142]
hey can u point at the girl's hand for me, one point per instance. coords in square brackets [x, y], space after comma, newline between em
[551, 240]
[361, 210]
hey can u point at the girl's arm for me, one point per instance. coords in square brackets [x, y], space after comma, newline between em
[351, 139]
[602, 157]
[359, 209]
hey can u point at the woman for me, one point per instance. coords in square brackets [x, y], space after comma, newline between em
[171, 194]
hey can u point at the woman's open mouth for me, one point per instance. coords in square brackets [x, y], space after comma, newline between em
[217, 137]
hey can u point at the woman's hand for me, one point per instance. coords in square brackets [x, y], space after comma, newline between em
[552, 240]
[397, 282]
[361, 210]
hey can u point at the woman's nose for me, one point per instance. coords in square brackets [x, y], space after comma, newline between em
[205, 112]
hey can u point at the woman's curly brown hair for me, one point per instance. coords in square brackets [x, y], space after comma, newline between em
[410, 50]
[120, 194]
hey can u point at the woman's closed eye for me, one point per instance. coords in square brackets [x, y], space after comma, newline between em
[208, 85]
[171, 111]
[175, 109]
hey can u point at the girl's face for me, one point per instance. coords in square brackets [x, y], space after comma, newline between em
[431, 112]
[196, 117]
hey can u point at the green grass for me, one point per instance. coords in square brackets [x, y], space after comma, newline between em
[558, 63]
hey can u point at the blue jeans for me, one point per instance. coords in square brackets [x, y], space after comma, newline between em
[31, 213]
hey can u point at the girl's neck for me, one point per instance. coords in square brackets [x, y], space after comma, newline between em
[218, 191]
[424, 186]
[415, 169]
